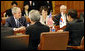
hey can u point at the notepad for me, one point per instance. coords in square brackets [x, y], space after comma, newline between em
[19, 34]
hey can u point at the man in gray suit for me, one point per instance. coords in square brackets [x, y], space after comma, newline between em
[16, 21]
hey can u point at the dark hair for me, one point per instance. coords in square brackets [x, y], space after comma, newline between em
[43, 8]
[26, 3]
[72, 13]
[14, 3]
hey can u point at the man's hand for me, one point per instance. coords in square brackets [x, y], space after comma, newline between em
[60, 31]
[16, 29]
[22, 28]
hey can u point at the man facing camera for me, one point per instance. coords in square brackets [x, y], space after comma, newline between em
[35, 29]
[60, 19]
[16, 21]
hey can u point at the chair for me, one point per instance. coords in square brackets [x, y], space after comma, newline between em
[15, 42]
[3, 14]
[28, 19]
[53, 41]
[81, 47]
[3, 20]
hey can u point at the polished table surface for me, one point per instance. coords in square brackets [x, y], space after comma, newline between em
[17, 36]
[28, 20]
[23, 31]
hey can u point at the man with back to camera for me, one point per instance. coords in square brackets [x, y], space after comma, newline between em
[35, 29]
[16, 21]
[75, 28]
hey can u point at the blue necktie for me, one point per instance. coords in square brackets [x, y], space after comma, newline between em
[17, 23]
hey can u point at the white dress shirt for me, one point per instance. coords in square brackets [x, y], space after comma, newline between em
[43, 21]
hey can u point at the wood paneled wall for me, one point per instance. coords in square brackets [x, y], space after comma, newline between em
[78, 5]
[7, 5]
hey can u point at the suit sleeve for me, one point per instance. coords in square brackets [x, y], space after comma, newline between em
[22, 13]
[7, 13]
[7, 22]
[25, 22]
[48, 29]
[67, 27]
[57, 19]
[28, 31]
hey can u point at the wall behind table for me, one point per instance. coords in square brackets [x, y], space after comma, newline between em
[5, 5]
[78, 5]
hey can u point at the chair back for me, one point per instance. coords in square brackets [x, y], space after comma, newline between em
[15, 42]
[54, 40]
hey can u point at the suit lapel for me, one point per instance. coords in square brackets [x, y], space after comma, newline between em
[21, 21]
[13, 22]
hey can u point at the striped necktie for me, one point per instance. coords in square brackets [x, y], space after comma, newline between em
[17, 23]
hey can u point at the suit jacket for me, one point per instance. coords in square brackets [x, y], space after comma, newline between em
[33, 5]
[49, 5]
[76, 32]
[44, 3]
[41, 3]
[10, 22]
[57, 19]
[34, 31]
[9, 13]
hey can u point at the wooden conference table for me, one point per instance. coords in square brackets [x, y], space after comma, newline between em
[23, 31]
[28, 20]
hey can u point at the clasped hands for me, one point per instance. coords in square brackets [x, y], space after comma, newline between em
[20, 28]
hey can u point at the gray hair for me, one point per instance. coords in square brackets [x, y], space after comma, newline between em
[14, 9]
[63, 6]
[34, 15]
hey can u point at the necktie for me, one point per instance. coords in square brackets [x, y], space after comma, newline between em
[17, 23]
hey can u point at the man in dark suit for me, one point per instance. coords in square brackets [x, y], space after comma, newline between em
[9, 11]
[16, 21]
[48, 4]
[57, 18]
[50, 7]
[75, 28]
[35, 29]
[32, 4]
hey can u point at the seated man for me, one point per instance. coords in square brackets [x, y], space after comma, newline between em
[61, 17]
[9, 11]
[16, 21]
[35, 29]
[75, 28]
